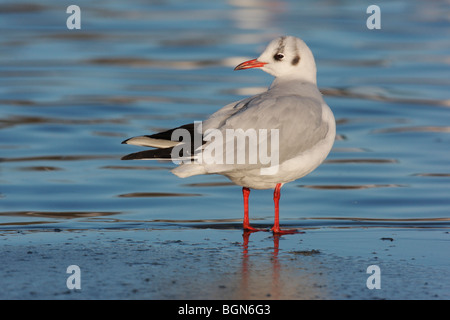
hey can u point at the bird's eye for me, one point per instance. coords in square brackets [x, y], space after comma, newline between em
[278, 56]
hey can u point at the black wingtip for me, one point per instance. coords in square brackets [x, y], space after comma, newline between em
[150, 154]
[125, 141]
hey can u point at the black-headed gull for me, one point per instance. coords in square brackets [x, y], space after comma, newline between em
[290, 119]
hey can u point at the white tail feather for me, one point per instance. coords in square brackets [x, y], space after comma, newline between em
[150, 142]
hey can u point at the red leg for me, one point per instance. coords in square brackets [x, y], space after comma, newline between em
[247, 227]
[276, 226]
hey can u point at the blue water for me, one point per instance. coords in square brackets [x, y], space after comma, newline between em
[69, 97]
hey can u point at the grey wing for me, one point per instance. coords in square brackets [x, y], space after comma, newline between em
[218, 118]
[303, 126]
[297, 121]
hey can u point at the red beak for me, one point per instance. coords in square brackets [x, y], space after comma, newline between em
[250, 64]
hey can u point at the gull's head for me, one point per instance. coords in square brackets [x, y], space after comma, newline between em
[287, 57]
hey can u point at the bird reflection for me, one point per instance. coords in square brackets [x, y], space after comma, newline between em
[246, 271]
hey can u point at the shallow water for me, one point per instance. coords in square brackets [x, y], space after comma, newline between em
[69, 97]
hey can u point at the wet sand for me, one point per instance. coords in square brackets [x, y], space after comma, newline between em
[203, 263]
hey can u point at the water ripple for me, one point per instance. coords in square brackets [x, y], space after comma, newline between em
[351, 187]
[356, 92]
[156, 195]
[413, 129]
[356, 160]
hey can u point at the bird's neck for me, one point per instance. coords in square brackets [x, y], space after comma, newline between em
[293, 84]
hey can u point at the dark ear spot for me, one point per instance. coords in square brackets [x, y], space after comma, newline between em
[296, 60]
